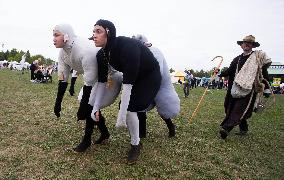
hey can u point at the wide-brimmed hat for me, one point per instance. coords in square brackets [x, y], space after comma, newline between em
[249, 39]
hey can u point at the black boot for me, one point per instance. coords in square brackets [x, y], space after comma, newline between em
[142, 124]
[86, 141]
[133, 153]
[171, 127]
[103, 130]
[243, 128]
[224, 132]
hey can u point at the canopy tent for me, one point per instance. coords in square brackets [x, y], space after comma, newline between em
[179, 75]
[276, 70]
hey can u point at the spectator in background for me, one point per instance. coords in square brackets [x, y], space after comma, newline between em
[193, 83]
[187, 82]
[221, 83]
[33, 67]
[38, 75]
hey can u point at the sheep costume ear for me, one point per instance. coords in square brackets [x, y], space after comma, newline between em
[67, 31]
[142, 39]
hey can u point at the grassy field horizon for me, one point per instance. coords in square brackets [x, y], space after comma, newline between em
[34, 144]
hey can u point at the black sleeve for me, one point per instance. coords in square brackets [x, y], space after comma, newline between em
[84, 109]
[60, 93]
[231, 70]
[265, 75]
[264, 71]
[102, 67]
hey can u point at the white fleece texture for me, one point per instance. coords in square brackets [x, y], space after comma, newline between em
[167, 100]
[78, 54]
[125, 98]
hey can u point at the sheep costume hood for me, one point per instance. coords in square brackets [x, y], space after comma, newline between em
[80, 54]
[167, 100]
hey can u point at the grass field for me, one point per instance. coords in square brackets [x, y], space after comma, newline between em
[34, 144]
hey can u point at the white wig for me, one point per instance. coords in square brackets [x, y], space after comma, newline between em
[67, 31]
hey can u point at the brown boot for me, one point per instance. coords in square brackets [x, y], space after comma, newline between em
[133, 154]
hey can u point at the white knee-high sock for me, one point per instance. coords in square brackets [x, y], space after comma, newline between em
[132, 122]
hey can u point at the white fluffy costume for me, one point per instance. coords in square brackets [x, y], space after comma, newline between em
[80, 54]
[167, 101]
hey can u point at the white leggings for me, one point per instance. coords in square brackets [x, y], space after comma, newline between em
[132, 122]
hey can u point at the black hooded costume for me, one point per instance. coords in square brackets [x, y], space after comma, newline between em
[137, 63]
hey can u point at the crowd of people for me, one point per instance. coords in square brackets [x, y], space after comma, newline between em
[41, 73]
[111, 64]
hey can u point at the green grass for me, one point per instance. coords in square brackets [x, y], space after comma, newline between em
[34, 144]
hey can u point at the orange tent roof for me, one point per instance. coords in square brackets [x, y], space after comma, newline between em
[179, 74]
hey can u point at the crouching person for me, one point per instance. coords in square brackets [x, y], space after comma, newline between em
[141, 78]
[78, 54]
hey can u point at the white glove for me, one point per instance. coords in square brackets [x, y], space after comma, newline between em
[125, 98]
[99, 93]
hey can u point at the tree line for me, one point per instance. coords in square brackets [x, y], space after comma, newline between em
[16, 55]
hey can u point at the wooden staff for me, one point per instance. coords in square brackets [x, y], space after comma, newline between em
[205, 91]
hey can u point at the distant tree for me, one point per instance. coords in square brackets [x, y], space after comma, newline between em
[224, 69]
[172, 70]
[49, 61]
[6, 55]
[12, 54]
[15, 55]
[200, 73]
[2, 56]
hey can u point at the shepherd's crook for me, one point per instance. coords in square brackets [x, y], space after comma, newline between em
[203, 95]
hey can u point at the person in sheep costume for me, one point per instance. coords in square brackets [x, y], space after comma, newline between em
[141, 78]
[167, 101]
[80, 54]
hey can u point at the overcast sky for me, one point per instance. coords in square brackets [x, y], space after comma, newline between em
[189, 33]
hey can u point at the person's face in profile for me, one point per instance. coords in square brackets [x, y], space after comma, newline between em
[58, 39]
[99, 36]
